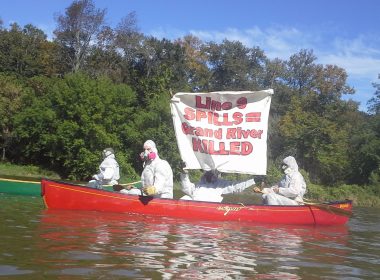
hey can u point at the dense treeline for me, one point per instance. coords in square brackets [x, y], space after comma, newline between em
[92, 86]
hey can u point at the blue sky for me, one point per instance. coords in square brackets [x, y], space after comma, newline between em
[343, 33]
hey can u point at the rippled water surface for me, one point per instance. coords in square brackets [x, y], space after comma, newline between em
[36, 243]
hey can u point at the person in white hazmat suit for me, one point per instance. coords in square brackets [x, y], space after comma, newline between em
[157, 176]
[108, 171]
[291, 188]
[211, 187]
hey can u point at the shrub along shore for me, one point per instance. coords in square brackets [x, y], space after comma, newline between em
[367, 196]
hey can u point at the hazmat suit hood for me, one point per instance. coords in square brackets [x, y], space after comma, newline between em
[152, 145]
[291, 162]
[107, 152]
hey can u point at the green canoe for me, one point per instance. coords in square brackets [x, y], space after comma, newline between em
[30, 186]
[22, 187]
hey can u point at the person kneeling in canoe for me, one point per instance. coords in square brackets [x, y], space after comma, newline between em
[290, 190]
[108, 171]
[211, 187]
[157, 176]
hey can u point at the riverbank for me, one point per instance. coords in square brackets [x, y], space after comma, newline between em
[368, 196]
[25, 171]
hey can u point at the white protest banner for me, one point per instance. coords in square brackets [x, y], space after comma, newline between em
[224, 130]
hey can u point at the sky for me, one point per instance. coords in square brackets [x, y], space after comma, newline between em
[345, 33]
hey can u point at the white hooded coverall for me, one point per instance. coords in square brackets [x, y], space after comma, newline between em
[205, 191]
[109, 173]
[159, 174]
[291, 188]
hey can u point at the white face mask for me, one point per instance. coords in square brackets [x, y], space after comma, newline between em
[148, 155]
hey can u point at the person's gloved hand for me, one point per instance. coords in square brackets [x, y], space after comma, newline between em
[96, 177]
[257, 190]
[149, 190]
[263, 191]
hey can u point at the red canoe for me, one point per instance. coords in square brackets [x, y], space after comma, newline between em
[61, 195]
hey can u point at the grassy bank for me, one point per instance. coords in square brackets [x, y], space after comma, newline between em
[360, 195]
[25, 171]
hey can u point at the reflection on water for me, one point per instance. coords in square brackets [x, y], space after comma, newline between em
[77, 244]
[141, 246]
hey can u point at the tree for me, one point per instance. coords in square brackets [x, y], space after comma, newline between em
[364, 148]
[77, 29]
[115, 50]
[159, 59]
[234, 66]
[197, 72]
[301, 71]
[11, 91]
[128, 38]
[374, 102]
[70, 121]
[22, 50]
[313, 127]
[104, 58]
[365, 143]
[319, 144]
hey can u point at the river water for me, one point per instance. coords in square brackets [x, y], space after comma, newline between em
[37, 243]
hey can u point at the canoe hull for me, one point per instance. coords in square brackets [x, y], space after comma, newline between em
[20, 187]
[24, 187]
[60, 195]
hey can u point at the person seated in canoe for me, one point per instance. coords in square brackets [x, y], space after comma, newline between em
[108, 171]
[211, 187]
[157, 176]
[291, 188]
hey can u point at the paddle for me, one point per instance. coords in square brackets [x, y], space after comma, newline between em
[322, 206]
[119, 187]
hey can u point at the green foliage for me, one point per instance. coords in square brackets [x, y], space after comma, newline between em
[374, 102]
[360, 195]
[23, 50]
[197, 72]
[374, 179]
[11, 92]
[154, 121]
[274, 174]
[234, 66]
[71, 120]
[365, 150]
[318, 143]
